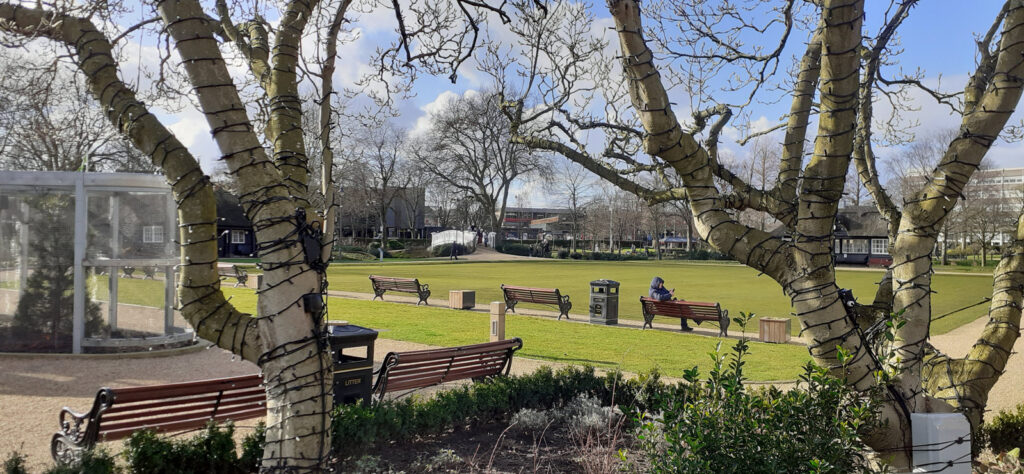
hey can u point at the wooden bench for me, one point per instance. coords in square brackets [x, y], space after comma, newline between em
[405, 285]
[684, 310]
[118, 412]
[235, 272]
[418, 369]
[522, 294]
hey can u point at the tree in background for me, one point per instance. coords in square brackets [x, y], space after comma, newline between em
[573, 185]
[377, 169]
[467, 147]
[49, 122]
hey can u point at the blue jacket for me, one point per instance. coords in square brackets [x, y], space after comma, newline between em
[660, 294]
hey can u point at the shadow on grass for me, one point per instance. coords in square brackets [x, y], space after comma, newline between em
[565, 359]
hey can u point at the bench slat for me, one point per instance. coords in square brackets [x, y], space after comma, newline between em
[403, 370]
[130, 394]
[173, 407]
[147, 405]
[430, 354]
[197, 422]
[418, 369]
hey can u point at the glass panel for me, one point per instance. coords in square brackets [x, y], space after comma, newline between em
[856, 246]
[880, 246]
[36, 270]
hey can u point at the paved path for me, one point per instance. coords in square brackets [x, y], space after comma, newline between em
[487, 254]
[1007, 393]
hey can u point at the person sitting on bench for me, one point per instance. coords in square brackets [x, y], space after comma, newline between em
[659, 293]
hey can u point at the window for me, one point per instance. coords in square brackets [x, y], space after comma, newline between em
[238, 236]
[856, 246]
[880, 246]
[153, 234]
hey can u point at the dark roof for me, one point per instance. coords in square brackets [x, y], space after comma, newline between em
[853, 221]
[860, 221]
[229, 211]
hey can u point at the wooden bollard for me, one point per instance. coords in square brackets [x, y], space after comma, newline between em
[497, 321]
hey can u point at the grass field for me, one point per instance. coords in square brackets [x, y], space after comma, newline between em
[631, 350]
[736, 287]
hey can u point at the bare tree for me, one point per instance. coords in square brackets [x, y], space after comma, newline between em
[255, 118]
[50, 123]
[468, 148]
[378, 148]
[574, 185]
[838, 76]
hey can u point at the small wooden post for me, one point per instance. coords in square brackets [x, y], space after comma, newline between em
[497, 321]
[774, 329]
[461, 299]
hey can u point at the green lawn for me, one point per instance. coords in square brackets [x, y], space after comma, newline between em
[631, 350]
[130, 290]
[737, 287]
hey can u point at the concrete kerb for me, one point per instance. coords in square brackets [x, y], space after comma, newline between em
[198, 346]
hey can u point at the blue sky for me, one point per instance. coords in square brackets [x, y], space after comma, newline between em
[938, 38]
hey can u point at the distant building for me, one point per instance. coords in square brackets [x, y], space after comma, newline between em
[998, 189]
[531, 223]
[862, 237]
[235, 237]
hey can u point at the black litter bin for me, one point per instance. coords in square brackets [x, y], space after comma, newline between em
[353, 373]
[604, 302]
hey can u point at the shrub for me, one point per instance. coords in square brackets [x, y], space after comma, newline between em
[396, 245]
[210, 451]
[97, 461]
[1006, 430]
[576, 256]
[719, 426]
[252, 449]
[15, 464]
[357, 428]
[514, 249]
[445, 250]
[563, 253]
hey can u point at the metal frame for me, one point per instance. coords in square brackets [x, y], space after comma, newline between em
[81, 184]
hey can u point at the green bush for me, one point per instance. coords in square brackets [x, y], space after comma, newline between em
[1006, 430]
[445, 250]
[252, 449]
[396, 245]
[718, 425]
[576, 256]
[211, 451]
[15, 464]
[97, 461]
[514, 249]
[356, 428]
[563, 253]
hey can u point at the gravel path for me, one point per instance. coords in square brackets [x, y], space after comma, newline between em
[1007, 393]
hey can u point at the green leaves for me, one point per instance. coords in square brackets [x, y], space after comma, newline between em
[719, 426]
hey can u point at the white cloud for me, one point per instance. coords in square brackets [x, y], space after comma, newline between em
[192, 131]
[422, 124]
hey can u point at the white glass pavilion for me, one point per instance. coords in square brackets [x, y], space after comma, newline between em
[87, 263]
